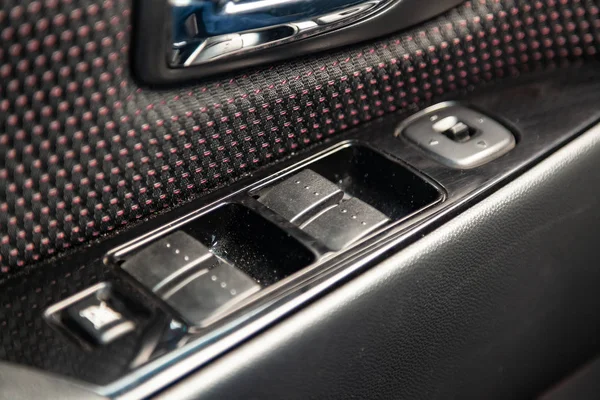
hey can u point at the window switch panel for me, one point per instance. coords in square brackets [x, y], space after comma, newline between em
[163, 262]
[343, 224]
[295, 198]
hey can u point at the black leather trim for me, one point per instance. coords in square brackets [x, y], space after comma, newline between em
[498, 303]
[583, 384]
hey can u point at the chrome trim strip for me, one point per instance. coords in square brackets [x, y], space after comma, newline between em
[206, 48]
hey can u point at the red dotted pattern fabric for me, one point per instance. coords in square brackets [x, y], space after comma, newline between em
[84, 150]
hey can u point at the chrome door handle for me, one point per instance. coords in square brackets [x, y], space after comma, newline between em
[204, 30]
[177, 40]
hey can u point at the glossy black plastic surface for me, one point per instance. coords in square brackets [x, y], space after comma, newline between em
[378, 180]
[251, 243]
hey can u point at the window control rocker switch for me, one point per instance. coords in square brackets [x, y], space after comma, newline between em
[209, 295]
[300, 195]
[343, 224]
[165, 261]
[192, 280]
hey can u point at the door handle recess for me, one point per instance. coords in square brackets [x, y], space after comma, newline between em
[186, 39]
[204, 30]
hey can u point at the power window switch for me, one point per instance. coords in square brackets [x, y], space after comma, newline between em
[345, 223]
[295, 198]
[167, 260]
[210, 295]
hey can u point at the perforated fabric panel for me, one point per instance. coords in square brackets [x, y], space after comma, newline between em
[84, 150]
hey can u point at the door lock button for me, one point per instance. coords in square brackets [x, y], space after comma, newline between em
[97, 315]
[102, 323]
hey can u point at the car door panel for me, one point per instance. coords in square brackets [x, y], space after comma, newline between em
[487, 291]
[124, 152]
[476, 309]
